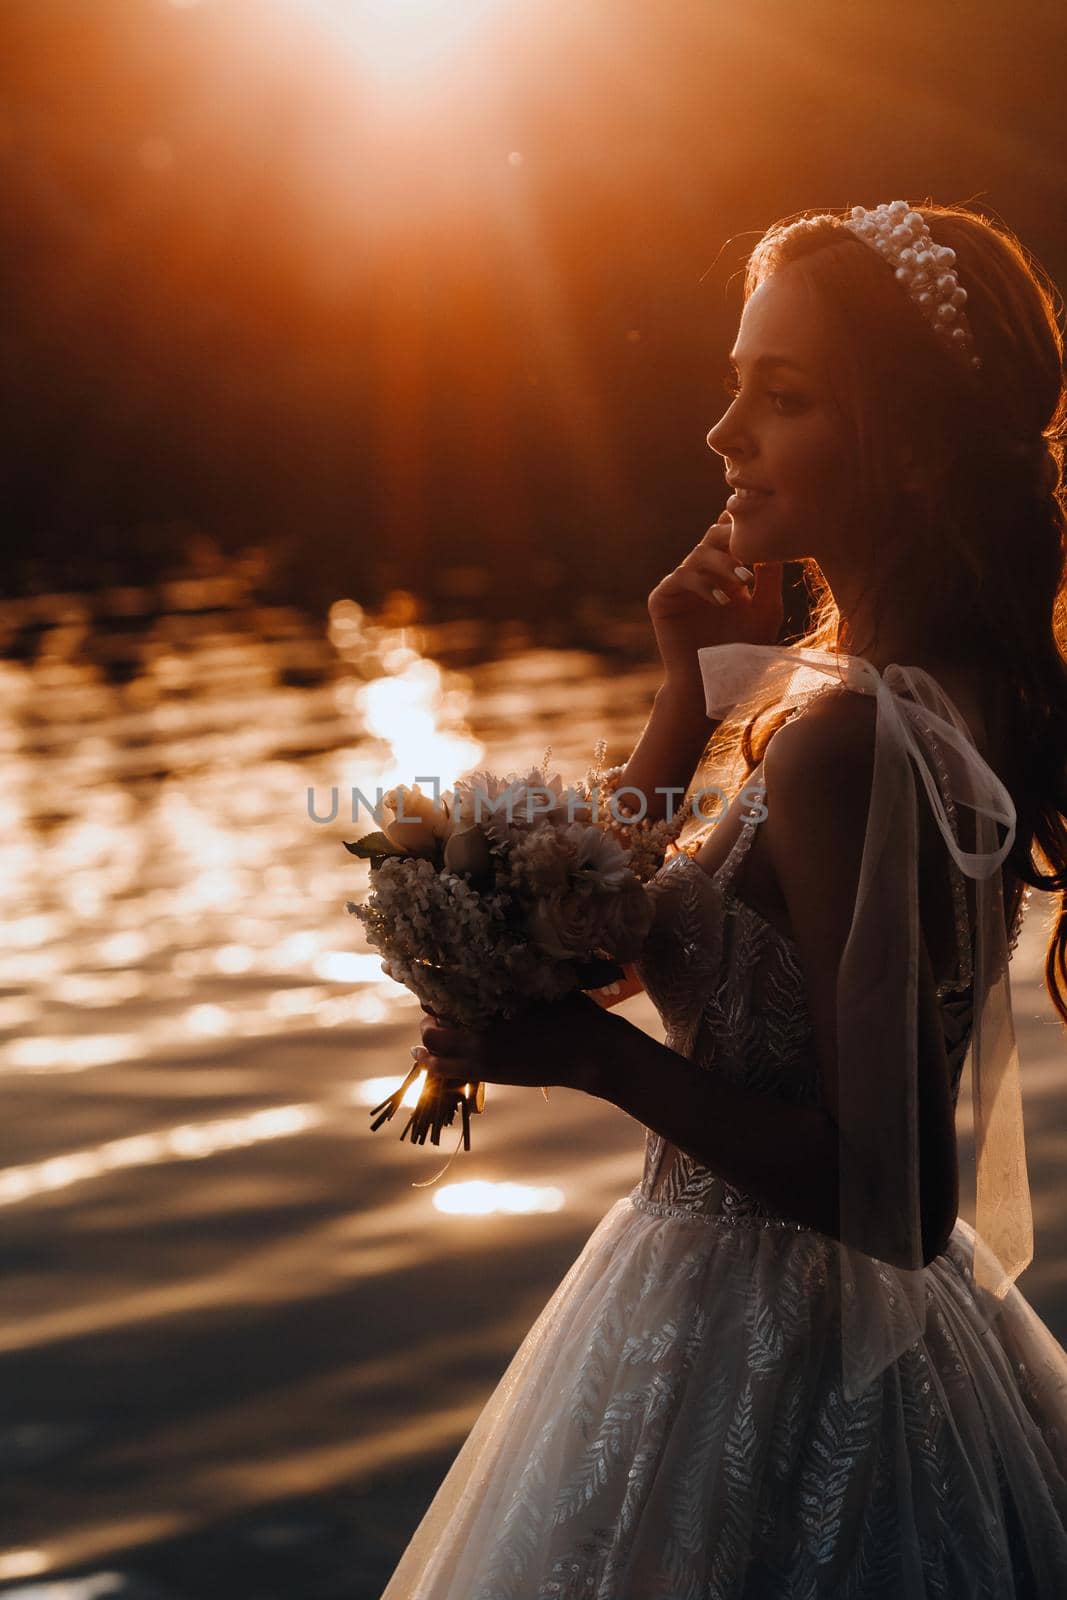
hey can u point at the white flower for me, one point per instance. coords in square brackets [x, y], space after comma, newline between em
[539, 862]
[417, 823]
[581, 922]
[486, 912]
[507, 806]
[599, 858]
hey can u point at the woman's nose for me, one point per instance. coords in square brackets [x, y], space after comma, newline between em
[727, 437]
[723, 440]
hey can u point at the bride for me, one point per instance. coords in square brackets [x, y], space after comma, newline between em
[784, 1366]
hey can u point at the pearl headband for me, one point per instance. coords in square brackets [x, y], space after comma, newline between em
[924, 270]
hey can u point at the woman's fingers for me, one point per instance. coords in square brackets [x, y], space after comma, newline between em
[717, 569]
[448, 1072]
[454, 1043]
[709, 585]
[713, 559]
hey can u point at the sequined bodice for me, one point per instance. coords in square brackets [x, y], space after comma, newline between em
[730, 992]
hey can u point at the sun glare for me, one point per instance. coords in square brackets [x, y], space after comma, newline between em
[402, 39]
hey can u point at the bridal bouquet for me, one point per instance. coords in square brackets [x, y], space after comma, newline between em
[498, 894]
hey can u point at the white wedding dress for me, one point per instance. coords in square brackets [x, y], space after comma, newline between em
[674, 1425]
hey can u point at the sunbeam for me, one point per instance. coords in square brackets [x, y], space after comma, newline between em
[400, 40]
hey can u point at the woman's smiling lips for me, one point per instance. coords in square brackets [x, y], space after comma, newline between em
[746, 499]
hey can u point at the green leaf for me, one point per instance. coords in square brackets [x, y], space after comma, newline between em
[374, 844]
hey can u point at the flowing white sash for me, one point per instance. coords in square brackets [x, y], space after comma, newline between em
[883, 1301]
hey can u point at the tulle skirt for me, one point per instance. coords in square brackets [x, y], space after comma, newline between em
[673, 1427]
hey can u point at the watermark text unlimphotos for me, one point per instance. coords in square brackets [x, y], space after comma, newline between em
[531, 801]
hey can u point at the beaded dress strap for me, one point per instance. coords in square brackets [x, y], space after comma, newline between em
[964, 932]
[964, 975]
[741, 844]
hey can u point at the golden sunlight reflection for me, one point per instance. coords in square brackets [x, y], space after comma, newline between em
[405, 711]
[71, 1054]
[31, 1564]
[193, 1029]
[96, 989]
[208, 1019]
[480, 1198]
[183, 1142]
[346, 966]
[374, 1090]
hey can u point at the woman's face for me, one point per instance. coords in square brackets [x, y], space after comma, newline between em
[783, 432]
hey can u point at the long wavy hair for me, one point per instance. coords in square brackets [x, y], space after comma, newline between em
[986, 533]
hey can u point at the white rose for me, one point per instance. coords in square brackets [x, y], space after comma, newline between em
[417, 824]
[577, 924]
[567, 925]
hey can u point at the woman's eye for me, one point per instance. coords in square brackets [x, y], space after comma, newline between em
[781, 400]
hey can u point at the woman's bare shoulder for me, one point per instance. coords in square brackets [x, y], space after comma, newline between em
[818, 772]
[837, 726]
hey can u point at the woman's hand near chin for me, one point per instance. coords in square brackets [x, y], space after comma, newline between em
[686, 615]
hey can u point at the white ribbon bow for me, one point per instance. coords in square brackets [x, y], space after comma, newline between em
[878, 986]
